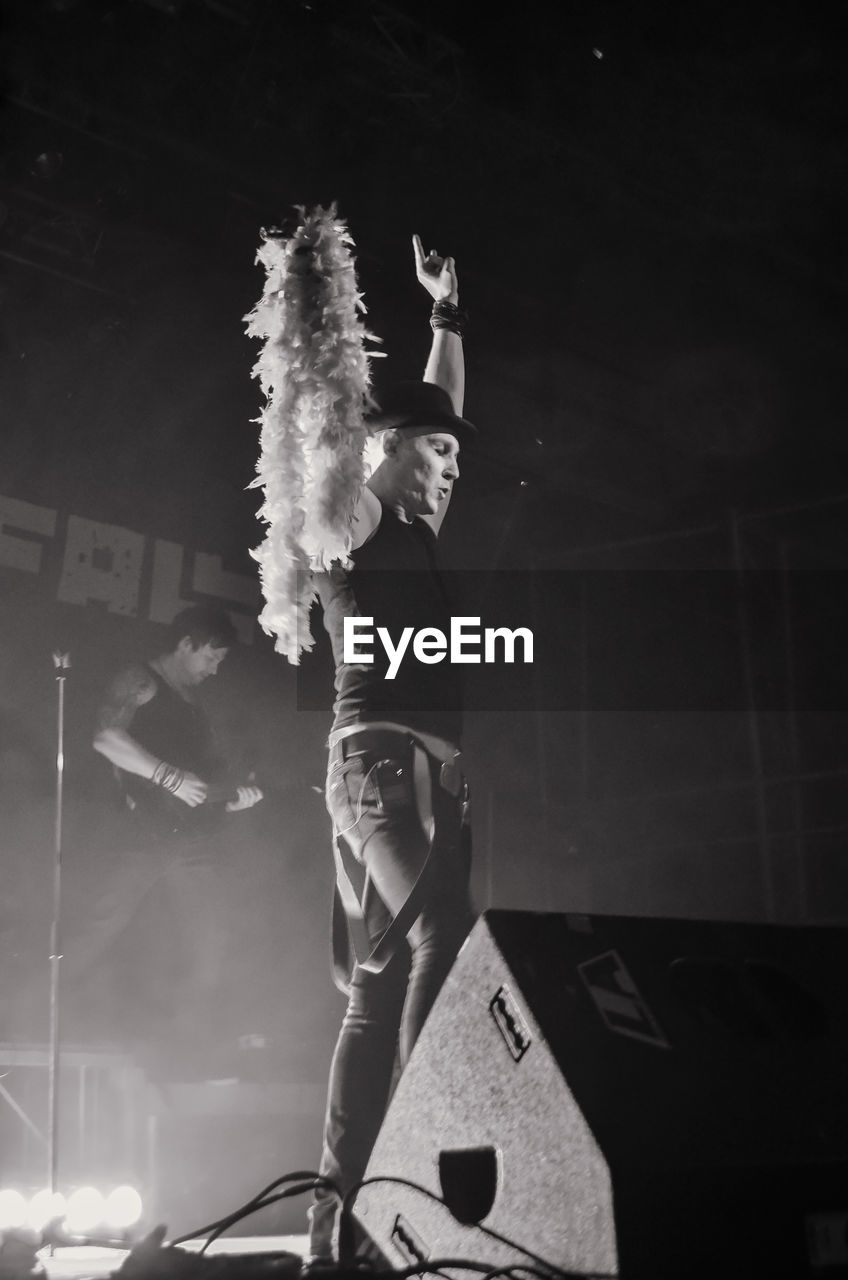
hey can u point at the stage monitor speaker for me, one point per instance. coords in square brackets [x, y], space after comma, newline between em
[623, 1096]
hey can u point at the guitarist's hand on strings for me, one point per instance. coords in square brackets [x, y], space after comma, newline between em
[246, 798]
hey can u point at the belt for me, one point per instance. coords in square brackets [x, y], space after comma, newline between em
[446, 753]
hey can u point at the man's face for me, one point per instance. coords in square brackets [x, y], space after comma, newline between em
[198, 664]
[424, 467]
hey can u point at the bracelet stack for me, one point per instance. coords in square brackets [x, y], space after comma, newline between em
[168, 776]
[445, 315]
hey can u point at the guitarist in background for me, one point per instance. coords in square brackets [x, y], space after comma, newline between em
[154, 732]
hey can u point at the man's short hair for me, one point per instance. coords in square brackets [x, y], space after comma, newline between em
[203, 624]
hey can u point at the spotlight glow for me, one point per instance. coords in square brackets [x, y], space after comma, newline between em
[85, 1210]
[13, 1209]
[123, 1207]
[44, 1207]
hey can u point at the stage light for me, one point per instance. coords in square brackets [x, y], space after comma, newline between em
[13, 1209]
[123, 1207]
[44, 1207]
[85, 1211]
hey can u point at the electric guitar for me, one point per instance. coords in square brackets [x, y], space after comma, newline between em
[161, 814]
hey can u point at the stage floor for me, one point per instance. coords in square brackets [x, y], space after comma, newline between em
[86, 1263]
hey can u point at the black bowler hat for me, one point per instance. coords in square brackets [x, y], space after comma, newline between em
[420, 404]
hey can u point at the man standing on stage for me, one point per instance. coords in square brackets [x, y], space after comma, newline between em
[153, 730]
[395, 788]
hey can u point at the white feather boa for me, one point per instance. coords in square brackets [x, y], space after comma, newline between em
[314, 373]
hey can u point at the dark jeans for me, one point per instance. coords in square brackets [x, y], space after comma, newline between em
[189, 920]
[159, 928]
[371, 799]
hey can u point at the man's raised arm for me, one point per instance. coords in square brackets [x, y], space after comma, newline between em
[446, 362]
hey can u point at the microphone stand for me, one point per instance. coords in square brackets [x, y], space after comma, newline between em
[62, 663]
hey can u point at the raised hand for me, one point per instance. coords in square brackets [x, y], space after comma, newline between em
[437, 274]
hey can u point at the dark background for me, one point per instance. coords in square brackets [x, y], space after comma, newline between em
[647, 206]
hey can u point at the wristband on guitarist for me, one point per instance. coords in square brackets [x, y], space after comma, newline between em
[168, 777]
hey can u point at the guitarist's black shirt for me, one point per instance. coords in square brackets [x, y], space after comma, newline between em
[178, 731]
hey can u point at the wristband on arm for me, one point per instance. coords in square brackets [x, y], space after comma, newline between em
[446, 315]
[168, 777]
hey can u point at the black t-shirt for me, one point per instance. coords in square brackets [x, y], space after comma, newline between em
[396, 580]
[178, 732]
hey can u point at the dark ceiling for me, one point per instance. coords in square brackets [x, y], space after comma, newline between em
[647, 204]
